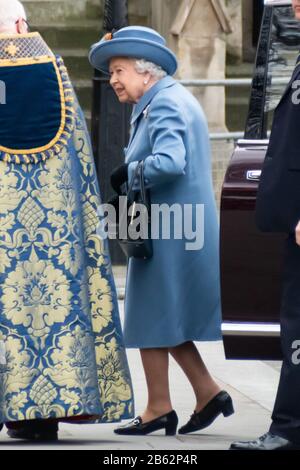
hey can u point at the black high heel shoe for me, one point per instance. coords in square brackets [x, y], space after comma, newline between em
[136, 427]
[221, 403]
[34, 430]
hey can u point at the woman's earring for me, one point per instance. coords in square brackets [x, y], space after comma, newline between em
[145, 82]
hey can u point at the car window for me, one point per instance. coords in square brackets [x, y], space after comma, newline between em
[283, 53]
[277, 53]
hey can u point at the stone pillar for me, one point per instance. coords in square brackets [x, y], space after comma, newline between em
[163, 14]
[196, 30]
[234, 40]
[247, 21]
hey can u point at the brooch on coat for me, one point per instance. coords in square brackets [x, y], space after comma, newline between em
[146, 111]
[109, 36]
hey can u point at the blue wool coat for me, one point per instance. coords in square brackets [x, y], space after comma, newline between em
[173, 297]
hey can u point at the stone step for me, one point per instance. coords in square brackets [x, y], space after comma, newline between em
[47, 10]
[72, 35]
[83, 89]
[77, 63]
[54, 10]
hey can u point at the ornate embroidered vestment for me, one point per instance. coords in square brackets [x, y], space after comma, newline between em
[61, 349]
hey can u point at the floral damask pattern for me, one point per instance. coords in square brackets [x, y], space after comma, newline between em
[62, 353]
[36, 295]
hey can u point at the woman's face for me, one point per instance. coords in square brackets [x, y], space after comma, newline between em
[296, 7]
[128, 84]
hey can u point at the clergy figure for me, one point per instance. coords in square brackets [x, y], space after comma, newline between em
[61, 348]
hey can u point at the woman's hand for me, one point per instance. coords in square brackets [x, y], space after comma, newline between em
[297, 233]
[119, 176]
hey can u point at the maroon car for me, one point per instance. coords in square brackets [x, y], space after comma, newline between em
[251, 261]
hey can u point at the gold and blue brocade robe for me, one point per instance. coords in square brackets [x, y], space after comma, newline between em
[61, 346]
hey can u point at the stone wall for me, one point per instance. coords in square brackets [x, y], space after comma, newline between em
[200, 46]
[197, 31]
[234, 41]
[45, 11]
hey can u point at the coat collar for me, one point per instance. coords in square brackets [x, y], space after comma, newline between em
[147, 97]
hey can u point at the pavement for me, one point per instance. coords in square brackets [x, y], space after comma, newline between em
[252, 385]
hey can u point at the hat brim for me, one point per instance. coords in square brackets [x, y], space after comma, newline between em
[102, 52]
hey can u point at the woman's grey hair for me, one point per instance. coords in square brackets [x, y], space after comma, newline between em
[142, 66]
[10, 11]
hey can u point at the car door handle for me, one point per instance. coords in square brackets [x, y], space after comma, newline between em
[253, 175]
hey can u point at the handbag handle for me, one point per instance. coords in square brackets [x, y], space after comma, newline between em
[135, 174]
[139, 171]
[142, 183]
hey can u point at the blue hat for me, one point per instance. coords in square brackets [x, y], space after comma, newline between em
[133, 41]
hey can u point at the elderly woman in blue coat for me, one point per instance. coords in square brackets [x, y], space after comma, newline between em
[173, 298]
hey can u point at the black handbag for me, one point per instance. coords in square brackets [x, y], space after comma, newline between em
[137, 209]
